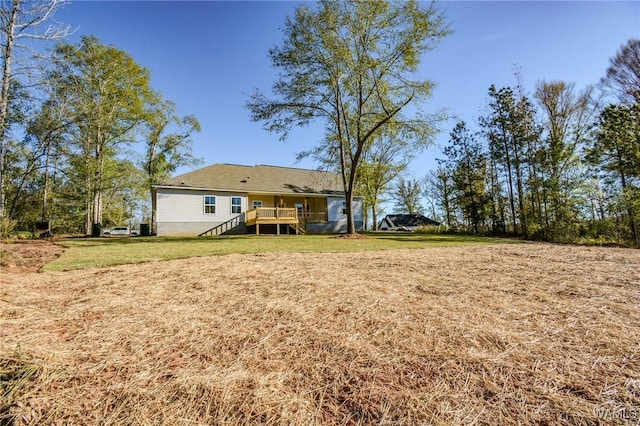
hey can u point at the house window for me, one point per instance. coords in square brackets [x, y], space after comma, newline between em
[257, 204]
[344, 207]
[209, 204]
[236, 205]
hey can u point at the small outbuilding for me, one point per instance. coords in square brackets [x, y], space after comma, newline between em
[405, 222]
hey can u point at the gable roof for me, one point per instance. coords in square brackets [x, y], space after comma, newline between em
[406, 220]
[259, 178]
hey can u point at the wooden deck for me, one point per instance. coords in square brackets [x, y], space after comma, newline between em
[272, 216]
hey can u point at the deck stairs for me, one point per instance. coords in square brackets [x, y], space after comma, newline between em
[232, 224]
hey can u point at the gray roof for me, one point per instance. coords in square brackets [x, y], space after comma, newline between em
[260, 178]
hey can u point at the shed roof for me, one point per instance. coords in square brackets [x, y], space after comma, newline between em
[259, 178]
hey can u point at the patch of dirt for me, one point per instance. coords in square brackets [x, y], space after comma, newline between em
[23, 256]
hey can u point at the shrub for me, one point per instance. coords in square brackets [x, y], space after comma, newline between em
[7, 227]
[431, 229]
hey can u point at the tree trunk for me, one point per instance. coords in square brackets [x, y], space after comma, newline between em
[152, 219]
[512, 203]
[4, 97]
[520, 189]
[374, 216]
[87, 215]
[97, 208]
[351, 227]
[45, 185]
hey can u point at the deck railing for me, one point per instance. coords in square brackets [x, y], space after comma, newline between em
[267, 213]
[312, 217]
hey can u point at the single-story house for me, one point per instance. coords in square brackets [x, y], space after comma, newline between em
[405, 222]
[228, 198]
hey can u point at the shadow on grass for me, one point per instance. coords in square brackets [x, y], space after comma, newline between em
[99, 252]
[435, 238]
[400, 237]
[124, 240]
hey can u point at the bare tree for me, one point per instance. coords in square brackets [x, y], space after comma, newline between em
[23, 24]
[623, 75]
[406, 195]
[567, 117]
[431, 193]
[438, 189]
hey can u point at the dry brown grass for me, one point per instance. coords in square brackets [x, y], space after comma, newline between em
[487, 335]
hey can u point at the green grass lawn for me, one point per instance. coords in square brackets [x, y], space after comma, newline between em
[97, 252]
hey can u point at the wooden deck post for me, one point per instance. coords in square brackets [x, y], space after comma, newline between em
[274, 216]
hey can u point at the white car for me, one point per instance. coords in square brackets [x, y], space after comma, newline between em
[118, 230]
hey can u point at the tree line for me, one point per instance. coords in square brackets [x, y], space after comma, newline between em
[561, 164]
[83, 133]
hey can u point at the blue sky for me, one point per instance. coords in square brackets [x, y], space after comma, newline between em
[208, 56]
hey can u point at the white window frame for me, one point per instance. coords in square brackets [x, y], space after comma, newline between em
[209, 204]
[344, 207]
[257, 204]
[237, 206]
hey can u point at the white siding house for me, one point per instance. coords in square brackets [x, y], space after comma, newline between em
[225, 198]
[184, 212]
